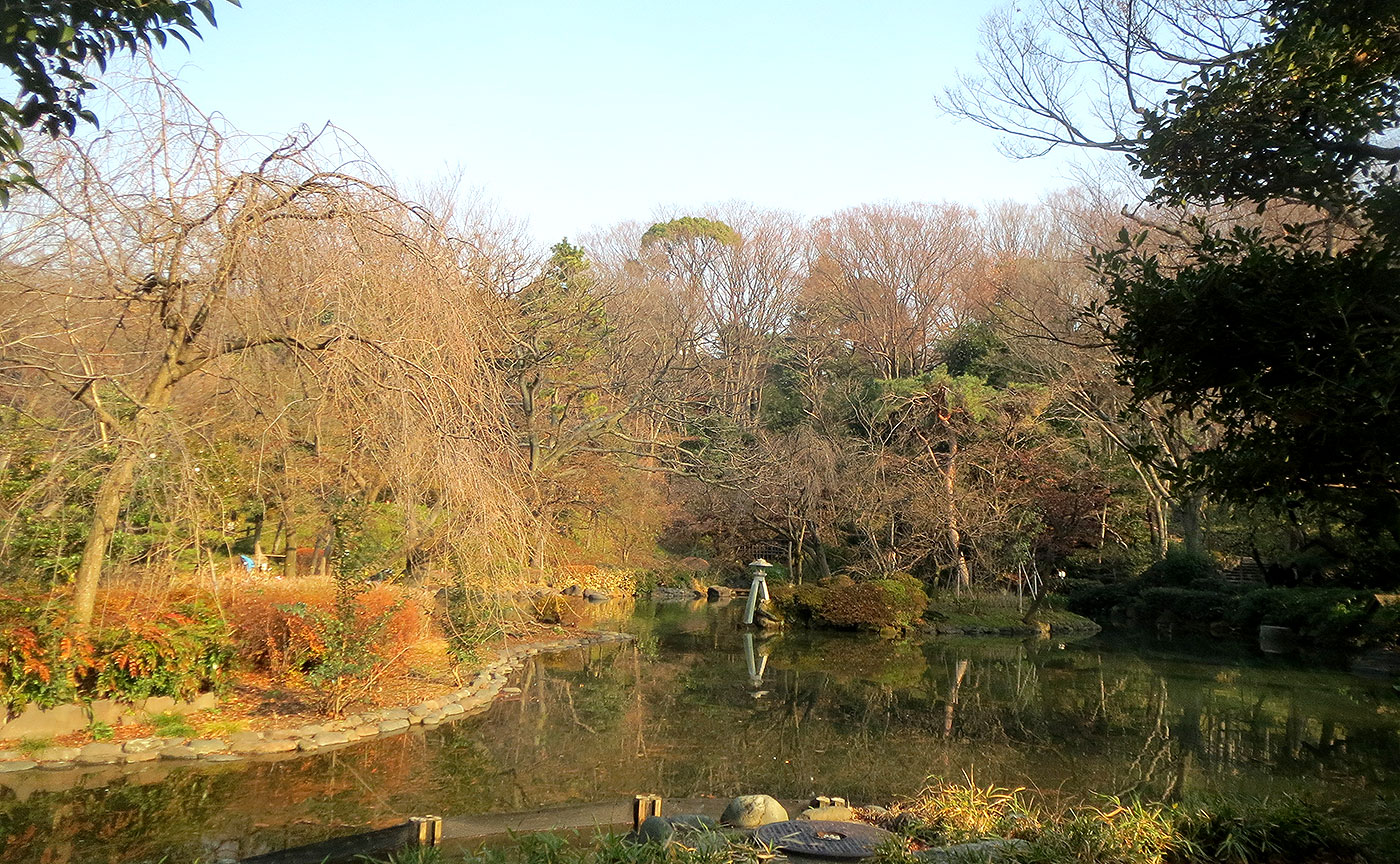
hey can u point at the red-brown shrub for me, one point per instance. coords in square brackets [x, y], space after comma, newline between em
[272, 639]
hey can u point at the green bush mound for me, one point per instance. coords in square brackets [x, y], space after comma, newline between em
[896, 601]
[1187, 592]
[1180, 569]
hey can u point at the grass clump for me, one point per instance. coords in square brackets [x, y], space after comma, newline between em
[101, 731]
[171, 725]
[1207, 831]
[1287, 830]
[945, 814]
[34, 746]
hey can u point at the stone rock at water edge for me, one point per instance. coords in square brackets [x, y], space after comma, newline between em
[753, 811]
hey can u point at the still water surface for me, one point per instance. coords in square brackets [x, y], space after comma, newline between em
[680, 714]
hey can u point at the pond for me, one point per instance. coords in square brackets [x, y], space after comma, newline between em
[695, 708]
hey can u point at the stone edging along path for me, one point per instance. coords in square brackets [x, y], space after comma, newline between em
[472, 699]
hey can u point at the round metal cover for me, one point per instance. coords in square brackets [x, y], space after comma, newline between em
[823, 838]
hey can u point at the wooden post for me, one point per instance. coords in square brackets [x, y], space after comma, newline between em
[429, 829]
[644, 806]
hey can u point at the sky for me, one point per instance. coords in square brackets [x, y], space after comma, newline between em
[572, 115]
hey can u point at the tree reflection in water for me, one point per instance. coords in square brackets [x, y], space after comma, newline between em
[676, 714]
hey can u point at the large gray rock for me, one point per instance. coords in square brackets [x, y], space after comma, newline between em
[981, 852]
[656, 829]
[667, 594]
[665, 829]
[56, 754]
[752, 811]
[99, 753]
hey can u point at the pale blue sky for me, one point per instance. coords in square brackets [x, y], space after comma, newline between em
[574, 114]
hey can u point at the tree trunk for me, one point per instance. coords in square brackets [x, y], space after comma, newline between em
[106, 509]
[1157, 523]
[953, 689]
[116, 486]
[819, 555]
[1188, 510]
[964, 575]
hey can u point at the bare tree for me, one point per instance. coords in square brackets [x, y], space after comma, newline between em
[894, 279]
[166, 257]
[1080, 73]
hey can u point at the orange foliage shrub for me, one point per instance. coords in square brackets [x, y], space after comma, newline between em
[269, 638]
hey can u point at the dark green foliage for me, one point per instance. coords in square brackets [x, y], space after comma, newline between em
[1298, 368]
[47, 46]
[975, 348]
[1333, 616]
[1096, 600]
[1292, 118]
[45, 497]
[1183, 605]
[1180, 569]
[1284, 830]
[1286, 342]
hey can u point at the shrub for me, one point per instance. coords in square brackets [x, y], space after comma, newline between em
[1331, 615]
[1179, 569]
[1184, 604]
[1096, 600]
[41, 660]
[179, 652]
[269, 636]
[265, 636]
[141, 648]
[353, 642]
[843, 604]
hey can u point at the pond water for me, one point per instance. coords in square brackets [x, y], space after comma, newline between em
[679, 713]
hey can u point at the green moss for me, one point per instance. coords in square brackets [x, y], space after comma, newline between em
[895, 602]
